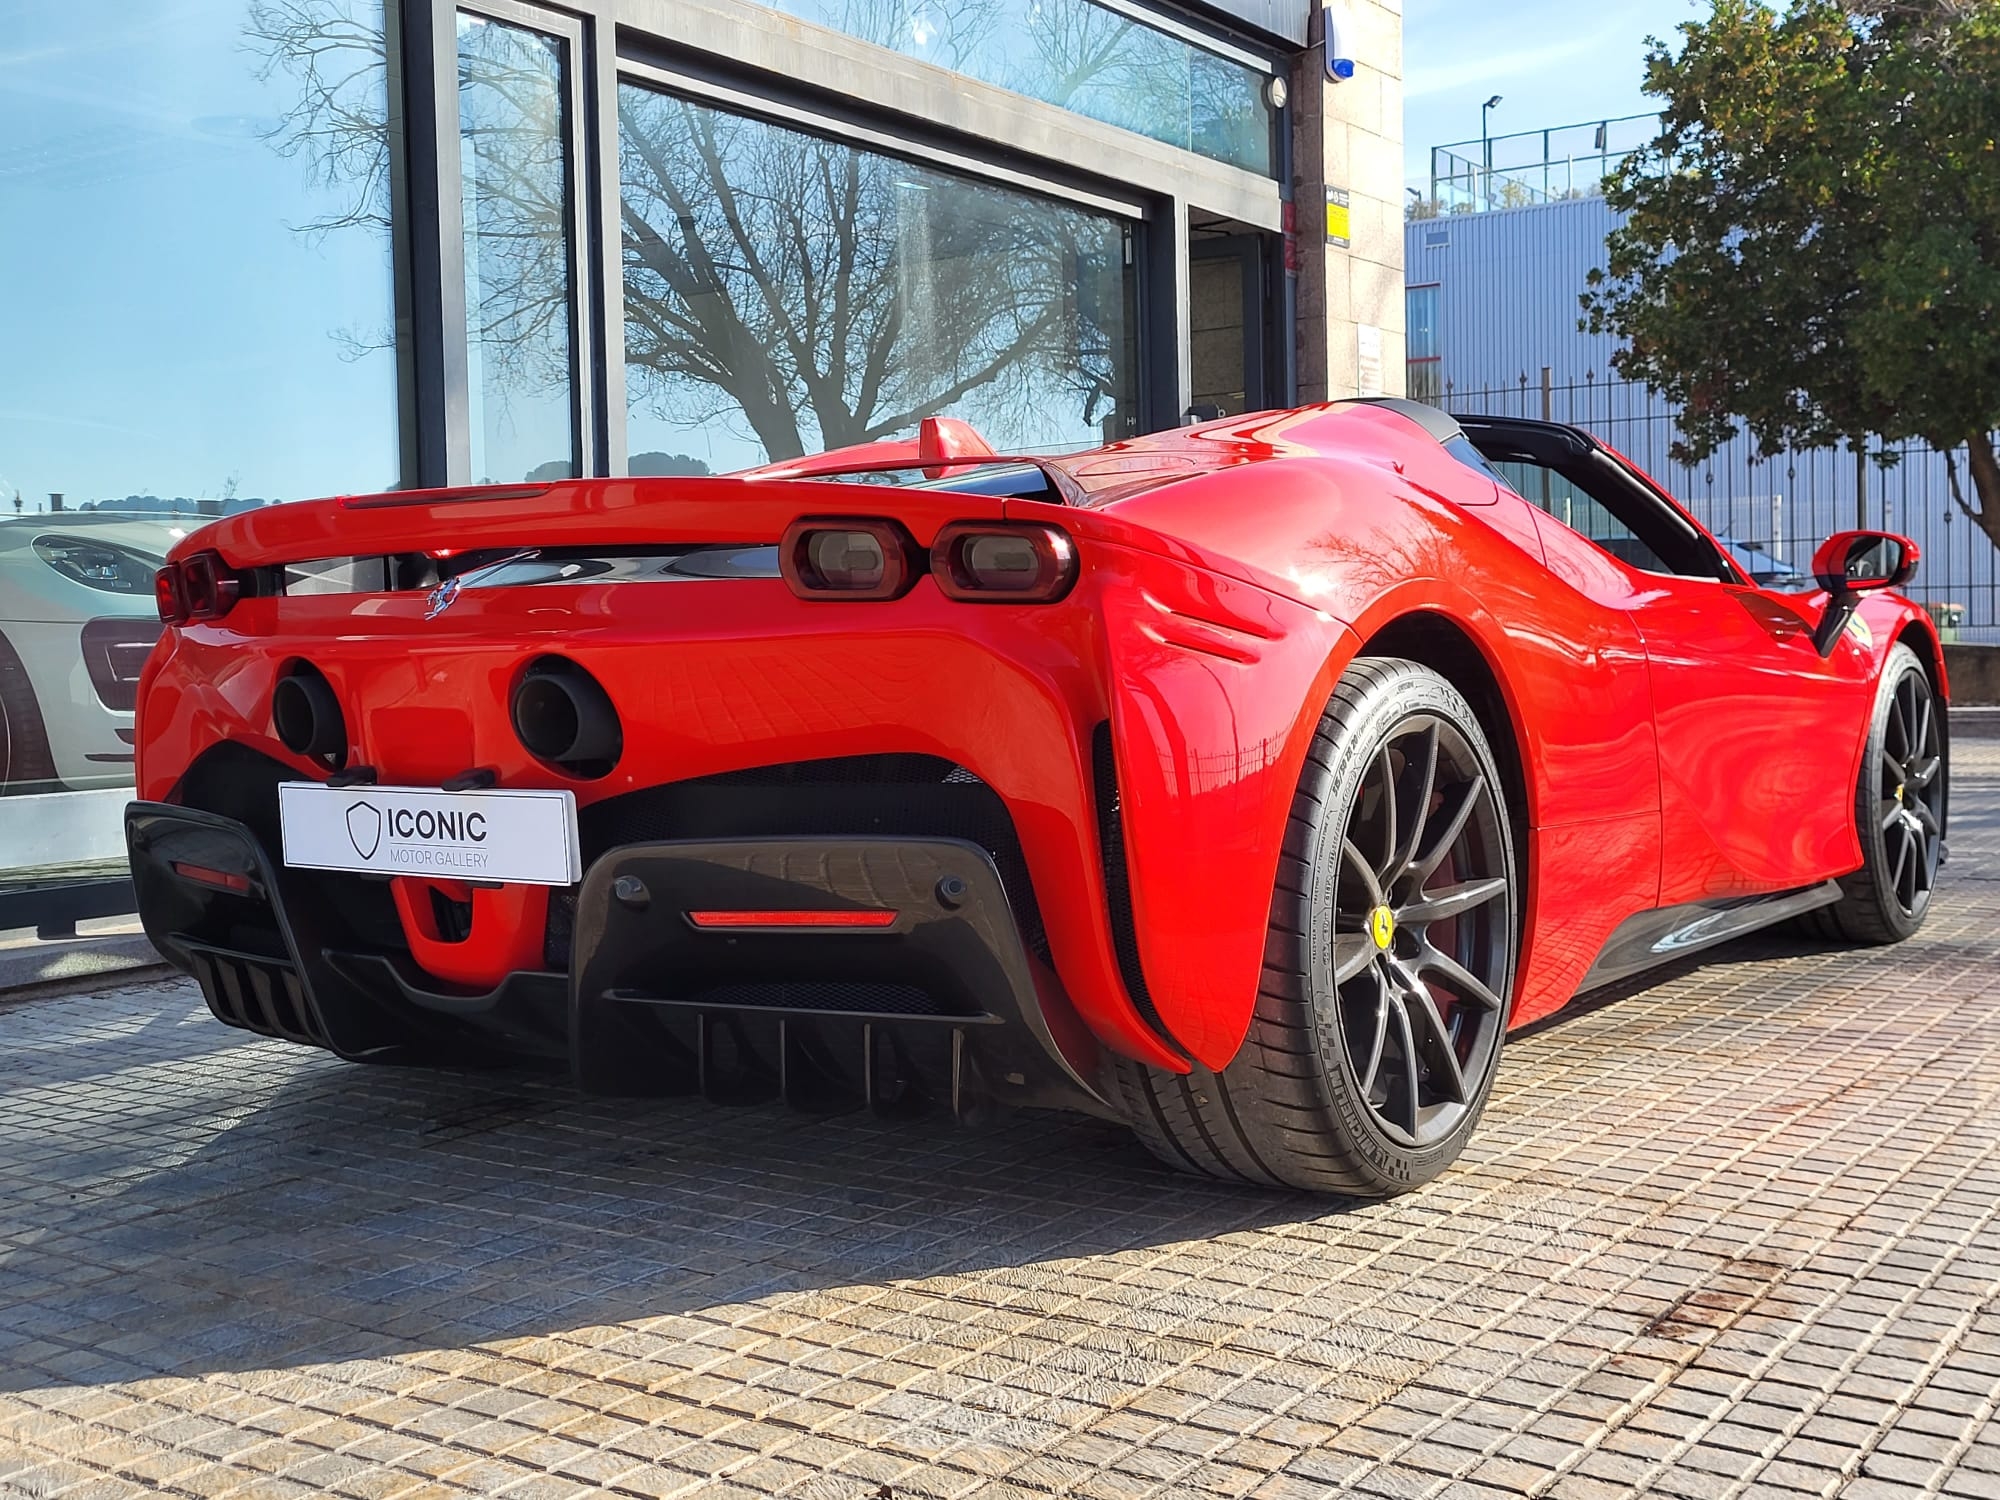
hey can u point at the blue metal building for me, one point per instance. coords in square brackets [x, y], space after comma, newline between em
[1494, 325]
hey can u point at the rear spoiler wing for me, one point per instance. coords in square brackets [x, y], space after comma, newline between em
[942, 445]
[747, 508]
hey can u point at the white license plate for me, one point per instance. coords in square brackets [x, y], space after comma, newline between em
[523, 837]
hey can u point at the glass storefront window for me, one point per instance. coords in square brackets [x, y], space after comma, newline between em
[1082, 56]
[201, 317]
[1423, 362]
[513, 157]
[1420, 304]
[786, 293]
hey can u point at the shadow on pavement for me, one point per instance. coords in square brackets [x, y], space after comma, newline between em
[269, 1208]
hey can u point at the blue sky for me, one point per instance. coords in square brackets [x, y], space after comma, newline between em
[186, 333]
[171, 325]
[1554, 62]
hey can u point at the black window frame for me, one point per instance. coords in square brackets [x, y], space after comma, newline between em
[1585, 464]
[662, 70]
[609, 40]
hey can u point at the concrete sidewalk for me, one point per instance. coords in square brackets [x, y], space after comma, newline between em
[108, 950]
[1732, 1230]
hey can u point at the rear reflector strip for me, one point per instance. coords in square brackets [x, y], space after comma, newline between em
[737, 919]
[222, 880]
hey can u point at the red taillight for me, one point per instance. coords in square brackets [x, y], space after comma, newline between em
[208, 587]
[876, 918]
[167, 594]
[978, 563]
[222, 880]
[841, 557]
[196, 588]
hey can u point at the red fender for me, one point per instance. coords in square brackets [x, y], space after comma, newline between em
[1216, 689]
[1574, 684]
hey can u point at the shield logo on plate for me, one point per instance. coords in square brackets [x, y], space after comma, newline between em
[364, 828]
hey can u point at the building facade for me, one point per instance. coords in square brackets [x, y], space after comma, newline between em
[1494, 325]
[260, 250]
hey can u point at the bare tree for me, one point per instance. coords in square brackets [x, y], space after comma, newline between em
[1078, 54]
[831, 294]
[818, 293]
[515, 200]
[340, 125]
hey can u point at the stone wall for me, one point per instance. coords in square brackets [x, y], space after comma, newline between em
[1347, 141]
[1974, 675]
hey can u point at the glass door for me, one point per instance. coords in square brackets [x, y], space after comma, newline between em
[1228, 316]
[521, 228]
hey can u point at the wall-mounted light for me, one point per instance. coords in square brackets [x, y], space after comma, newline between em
[1339, 62]
[1277, 91]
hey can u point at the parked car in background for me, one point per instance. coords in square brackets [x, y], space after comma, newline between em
[77, 619]
[1763, 569]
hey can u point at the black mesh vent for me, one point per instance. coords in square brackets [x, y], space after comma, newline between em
[869, 999]
[1118, 880]
[858, 796]
[560, 935]
[453, 918]
[873, 770]
[234, 781]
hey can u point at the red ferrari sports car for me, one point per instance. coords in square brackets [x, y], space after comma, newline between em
[1245, 783]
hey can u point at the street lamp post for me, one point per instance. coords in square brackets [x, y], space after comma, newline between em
[1486, 150]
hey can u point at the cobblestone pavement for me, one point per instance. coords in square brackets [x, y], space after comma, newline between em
[1731, 1233]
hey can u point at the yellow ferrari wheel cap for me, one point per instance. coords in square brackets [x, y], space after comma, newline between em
[1382, 926]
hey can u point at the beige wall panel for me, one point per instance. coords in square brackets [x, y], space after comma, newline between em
[1349, 136]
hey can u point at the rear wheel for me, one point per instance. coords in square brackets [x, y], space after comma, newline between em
[1389, 960]
[1899, 811]
[25, 763]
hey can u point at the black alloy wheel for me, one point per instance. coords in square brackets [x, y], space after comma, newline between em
[1388, 964]
[1424, 919]
[1910, 786]
[1900, 812]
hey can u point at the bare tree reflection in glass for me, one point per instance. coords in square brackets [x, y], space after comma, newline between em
[515, 196]
[821, 295]
[783, 291]
[339, 123]
[514, 167]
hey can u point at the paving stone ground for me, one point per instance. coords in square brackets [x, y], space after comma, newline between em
[1732, 1232]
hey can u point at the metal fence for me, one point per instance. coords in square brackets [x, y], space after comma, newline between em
[1532, 166]
[1788, 502]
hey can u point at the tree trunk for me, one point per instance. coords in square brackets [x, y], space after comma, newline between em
[1986, 483]
[1860, 447]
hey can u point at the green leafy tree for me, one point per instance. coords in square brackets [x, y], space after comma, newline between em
[1812, 242]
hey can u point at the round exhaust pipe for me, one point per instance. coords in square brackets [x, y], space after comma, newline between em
[563, 716]
[306, 716]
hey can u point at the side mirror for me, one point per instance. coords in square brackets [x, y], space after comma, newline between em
[1860, 562]
[1850, 564]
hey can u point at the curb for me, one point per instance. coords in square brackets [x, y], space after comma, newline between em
[105, 979]
[33, 970]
